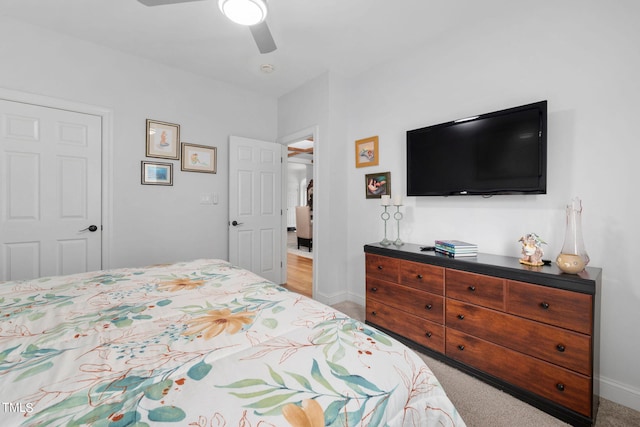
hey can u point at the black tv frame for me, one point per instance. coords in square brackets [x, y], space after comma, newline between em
[414, 176]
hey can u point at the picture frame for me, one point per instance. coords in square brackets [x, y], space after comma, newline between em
[377, 184]
[198, 158]
[367, 152]
[163, 140]
[156, 173]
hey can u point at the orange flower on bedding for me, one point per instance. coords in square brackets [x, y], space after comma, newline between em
[309, 415]
[217, 321]
[180, 284]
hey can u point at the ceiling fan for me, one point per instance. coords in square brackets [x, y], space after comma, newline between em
[235, 11]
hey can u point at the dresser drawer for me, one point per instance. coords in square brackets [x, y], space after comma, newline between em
[475, 288]
[571, 310]
[425, 277]
[556, 345]
[419, 330]
[422, 304]
[560, 385]
[382, 267]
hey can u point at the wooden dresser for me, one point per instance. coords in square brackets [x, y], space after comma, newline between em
[530, 331]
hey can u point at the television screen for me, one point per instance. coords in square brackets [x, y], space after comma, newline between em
[504, 152]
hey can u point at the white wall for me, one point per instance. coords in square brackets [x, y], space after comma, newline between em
[320, 104]
[584, 59]
[151, 224]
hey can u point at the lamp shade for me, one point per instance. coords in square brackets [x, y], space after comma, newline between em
[244, 12]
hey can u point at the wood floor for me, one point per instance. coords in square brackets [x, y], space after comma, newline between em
[299, 274]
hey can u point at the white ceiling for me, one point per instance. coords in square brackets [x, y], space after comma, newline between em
[313, 36]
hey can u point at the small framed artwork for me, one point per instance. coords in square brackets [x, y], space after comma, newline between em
[163, 140]
[154, 173]
[377, 185]
[367, 152]
[198, 158]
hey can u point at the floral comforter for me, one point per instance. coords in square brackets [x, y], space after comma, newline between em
[200, 343]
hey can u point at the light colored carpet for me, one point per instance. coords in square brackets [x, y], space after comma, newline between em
[482, 405]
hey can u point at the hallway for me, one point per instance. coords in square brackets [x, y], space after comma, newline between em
[299, 274]
[299, 267]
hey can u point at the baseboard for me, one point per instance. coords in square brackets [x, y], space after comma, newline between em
[330, 299]
[338, 298]
[620, 393]
[358, 299]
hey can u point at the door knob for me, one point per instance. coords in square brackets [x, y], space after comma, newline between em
[91, 228]
[235, 223]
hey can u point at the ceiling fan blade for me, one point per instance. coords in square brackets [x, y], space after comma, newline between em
[263, 38]
[163, 2]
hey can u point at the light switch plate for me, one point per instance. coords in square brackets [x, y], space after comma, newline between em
[206, 199]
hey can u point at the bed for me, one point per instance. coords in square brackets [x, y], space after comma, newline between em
[200, 343]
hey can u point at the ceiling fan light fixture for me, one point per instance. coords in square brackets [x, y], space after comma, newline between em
[244, 12]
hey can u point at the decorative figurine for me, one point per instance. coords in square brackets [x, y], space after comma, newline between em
[532, 249]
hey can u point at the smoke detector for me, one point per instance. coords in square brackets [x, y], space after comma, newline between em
[267, 68]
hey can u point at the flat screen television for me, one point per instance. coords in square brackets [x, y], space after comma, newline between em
[504, 152]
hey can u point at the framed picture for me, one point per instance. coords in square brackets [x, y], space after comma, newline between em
[377, 185]
[198, 158]
[367, 152]
[163, 140]
[154, 173]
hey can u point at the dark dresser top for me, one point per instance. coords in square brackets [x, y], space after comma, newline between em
[506, 267]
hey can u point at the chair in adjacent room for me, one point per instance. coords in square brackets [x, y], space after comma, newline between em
[304, 226]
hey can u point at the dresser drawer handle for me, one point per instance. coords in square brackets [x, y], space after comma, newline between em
[374, 289]
[460, 347]
[544, 305]
[461, 316]
[379, 267]
[560, 348]
[428, 307]
[419, 276]
[374, 313]
[560, 386]
[472, 288]
[428, 334]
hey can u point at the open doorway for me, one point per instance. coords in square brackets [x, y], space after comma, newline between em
[299, 215]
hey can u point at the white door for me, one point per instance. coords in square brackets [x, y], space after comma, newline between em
[50, 191]
[255, 206]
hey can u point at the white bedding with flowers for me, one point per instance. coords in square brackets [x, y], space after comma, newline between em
[200, 343]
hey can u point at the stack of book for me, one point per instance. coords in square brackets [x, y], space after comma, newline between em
[456, 248]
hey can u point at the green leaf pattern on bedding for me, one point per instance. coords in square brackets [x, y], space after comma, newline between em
[269, 397]
[199, 343]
